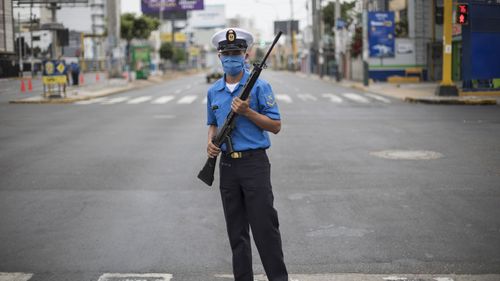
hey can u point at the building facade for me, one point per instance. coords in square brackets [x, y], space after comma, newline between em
[7, 49]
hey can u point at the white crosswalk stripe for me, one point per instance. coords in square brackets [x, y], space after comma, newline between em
[379, 98]
[135, 276]
[333, 98]
[285, 98]
[21, 276]
[115, 100]
[187, 100]
[91, 101]
[163, 100]
[306, 97]
[139, 100]
[15, 276]
[356, 97]
[178, 91]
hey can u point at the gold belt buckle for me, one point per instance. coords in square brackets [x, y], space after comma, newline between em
[236, 155]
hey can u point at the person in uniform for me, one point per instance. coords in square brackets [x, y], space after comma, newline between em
[245, 176]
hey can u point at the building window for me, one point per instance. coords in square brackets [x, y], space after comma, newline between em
[400, 9]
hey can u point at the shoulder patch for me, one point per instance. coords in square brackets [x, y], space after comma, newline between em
[270, 101]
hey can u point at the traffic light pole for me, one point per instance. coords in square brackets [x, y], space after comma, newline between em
[447, 88]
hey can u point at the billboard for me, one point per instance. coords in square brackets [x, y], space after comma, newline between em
[212, 16]
[152, 7]
[381, 34]
[284, 26]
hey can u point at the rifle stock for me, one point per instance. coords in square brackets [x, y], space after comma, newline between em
[207, 172]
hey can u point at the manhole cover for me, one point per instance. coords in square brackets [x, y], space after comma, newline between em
[407, 154]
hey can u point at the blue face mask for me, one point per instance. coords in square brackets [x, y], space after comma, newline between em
[233, 65]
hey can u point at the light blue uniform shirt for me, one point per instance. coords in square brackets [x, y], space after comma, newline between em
[246, 135]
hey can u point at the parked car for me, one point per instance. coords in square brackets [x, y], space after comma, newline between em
[214, 74]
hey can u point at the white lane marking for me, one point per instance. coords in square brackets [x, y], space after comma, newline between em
[306, 97]
[115, 100]
[178, 91]
[15, 276]
[332, 98]
[188, 87]
[296, 89]
[91, 101]
[356, 97]
[162, 100]
[285, 98]
[187, 99]
[139, 100]
[379, 98]
[135, 276]
[164, 116]
[205, 100]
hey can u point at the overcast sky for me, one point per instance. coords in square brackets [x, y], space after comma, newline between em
[264, 12]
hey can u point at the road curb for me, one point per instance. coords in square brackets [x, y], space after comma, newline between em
[112, 91]
[451, 101]
[74, 99]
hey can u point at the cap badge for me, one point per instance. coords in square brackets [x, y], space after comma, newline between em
[230, 35]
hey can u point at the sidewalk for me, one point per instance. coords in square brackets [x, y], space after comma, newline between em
[106, 88]
[417, 92]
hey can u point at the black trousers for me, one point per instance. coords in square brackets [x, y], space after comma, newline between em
[247, 199]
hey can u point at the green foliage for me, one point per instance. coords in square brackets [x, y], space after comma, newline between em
[346, 10]
[179, 55]
[137, 27]
[166, 51]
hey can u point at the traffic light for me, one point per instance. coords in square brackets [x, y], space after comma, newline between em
[462, 14]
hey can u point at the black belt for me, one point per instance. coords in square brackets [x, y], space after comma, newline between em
[244, 154]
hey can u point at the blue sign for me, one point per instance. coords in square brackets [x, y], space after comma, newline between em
[381, 34]
[340, 24]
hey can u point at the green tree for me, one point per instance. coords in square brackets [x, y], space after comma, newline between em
[346, 10]
[179, 55]
[134, 27]
[166, 51]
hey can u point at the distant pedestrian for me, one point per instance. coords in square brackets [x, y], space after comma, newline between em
[75, 72]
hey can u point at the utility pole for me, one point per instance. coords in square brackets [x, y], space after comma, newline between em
[53, 9]
[447, 88]
[292, 37]
[32, 18]
[20, 47]
[314, 49]
[365, 43]
[113, 14]
[337, 35]
[321, 59]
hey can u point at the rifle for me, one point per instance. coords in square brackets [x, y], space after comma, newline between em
[224, 135]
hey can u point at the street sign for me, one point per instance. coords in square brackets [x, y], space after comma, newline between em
[54, 72]
[381, 34]
[284, 26]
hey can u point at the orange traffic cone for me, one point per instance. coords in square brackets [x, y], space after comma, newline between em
[82, 80]
[23, 87]
[30, 86]
[97, 77]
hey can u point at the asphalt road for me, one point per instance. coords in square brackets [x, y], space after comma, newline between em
[111, 187]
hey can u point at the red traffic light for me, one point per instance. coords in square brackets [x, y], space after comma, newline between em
[462, 14]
